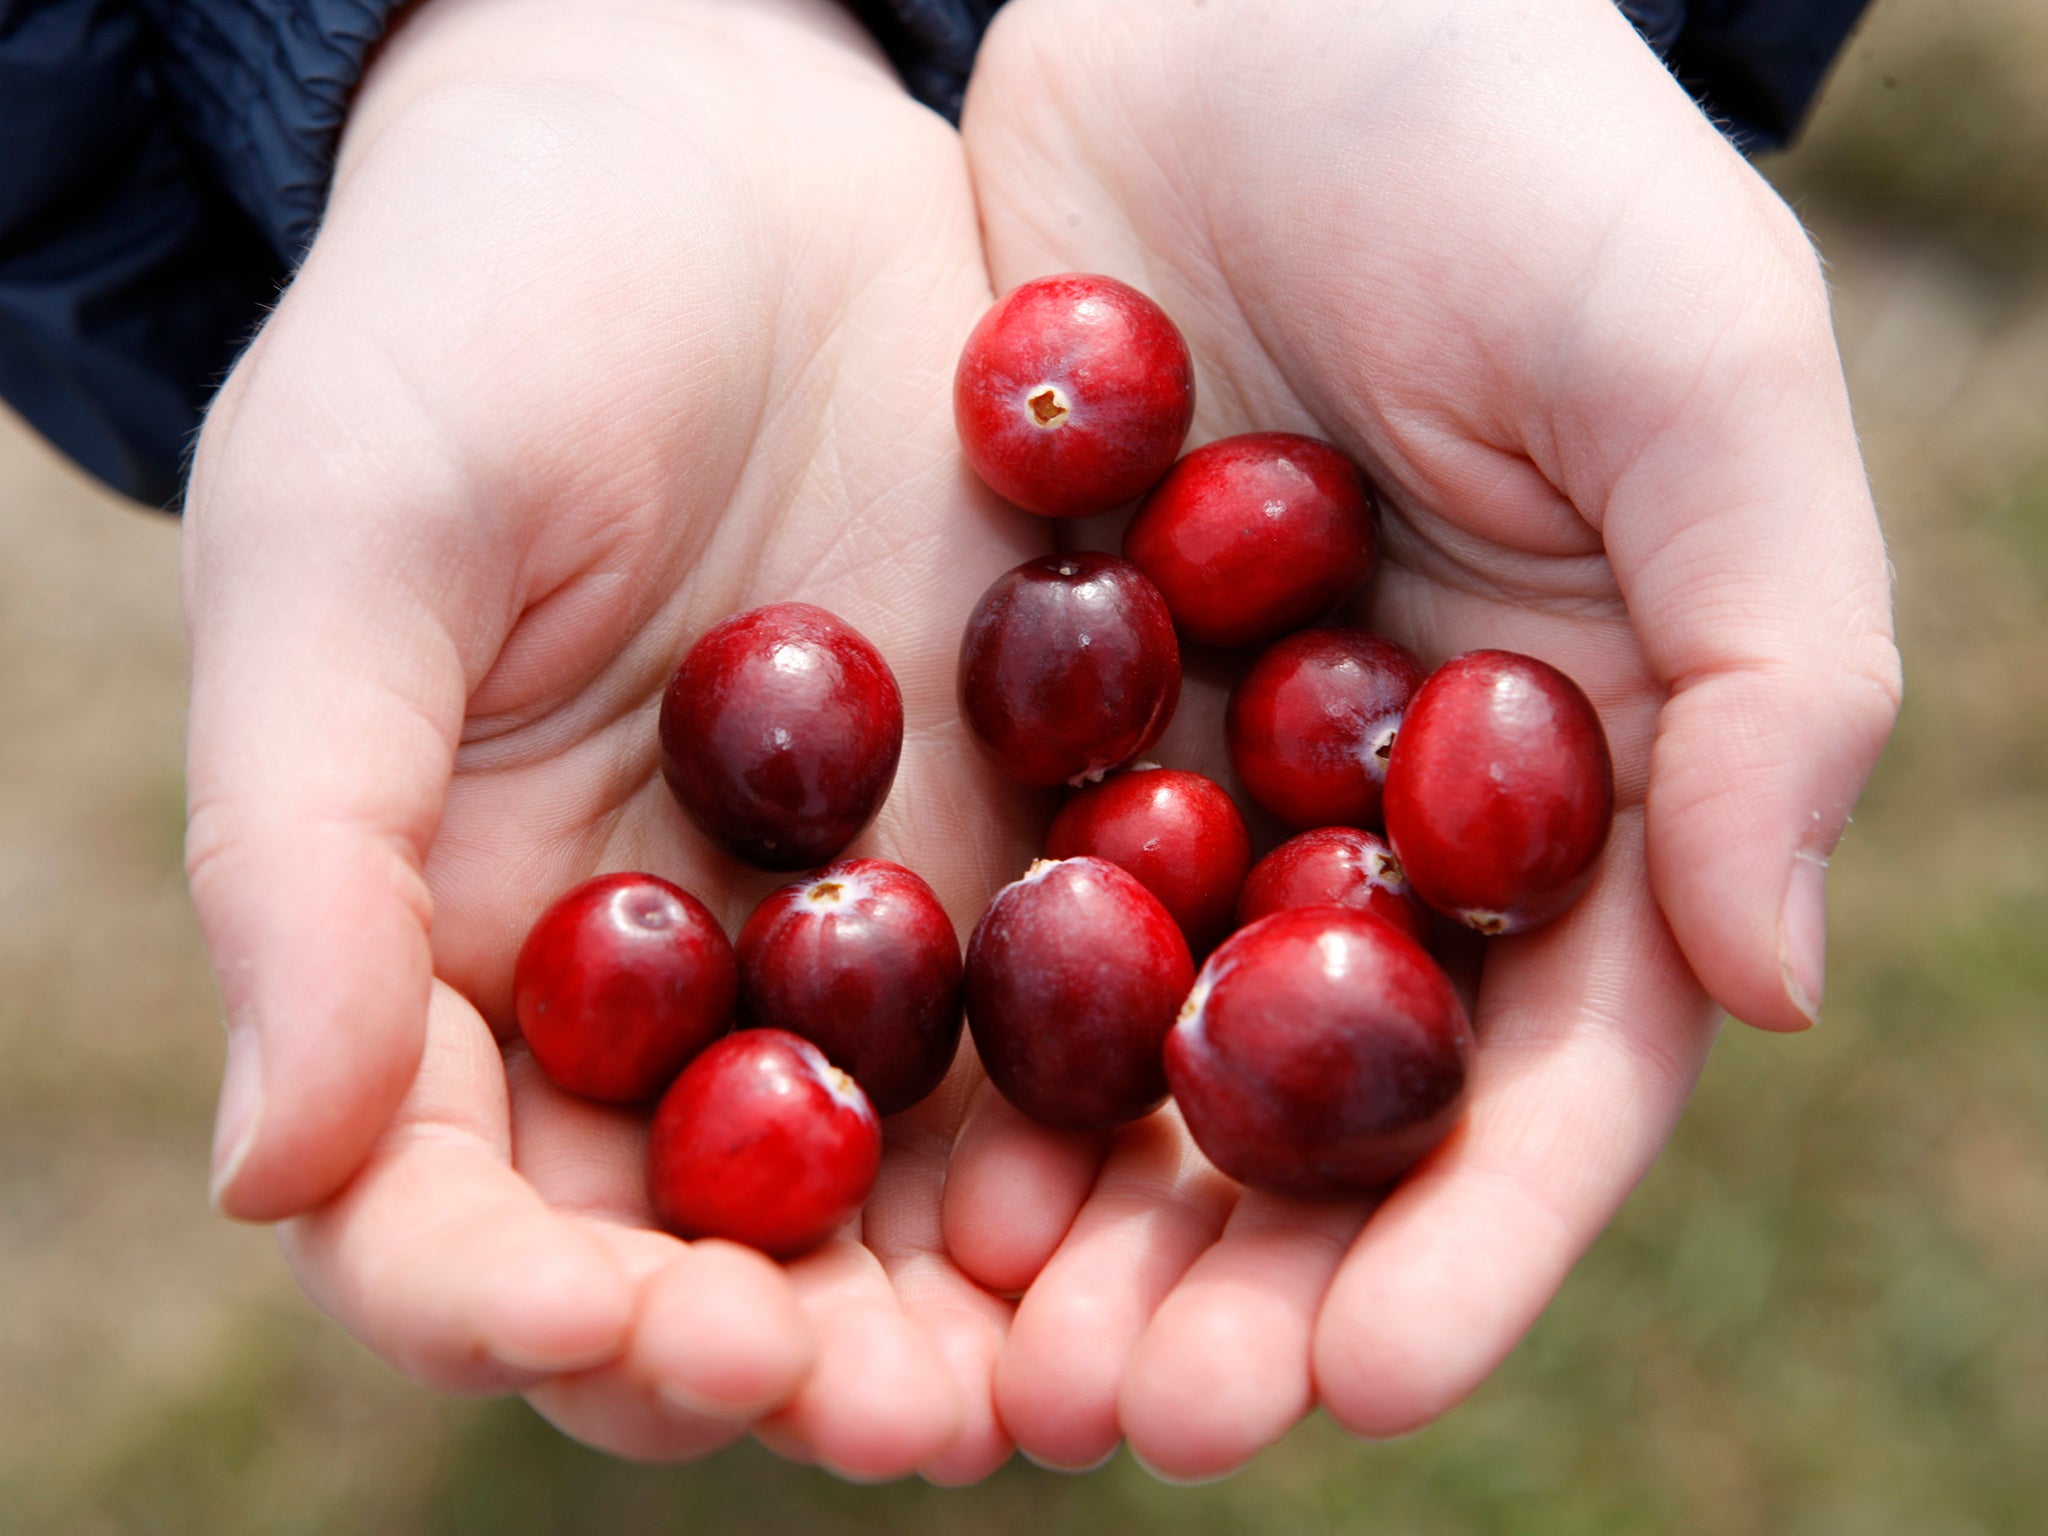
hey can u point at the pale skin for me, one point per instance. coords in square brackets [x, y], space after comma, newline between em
[625, 321]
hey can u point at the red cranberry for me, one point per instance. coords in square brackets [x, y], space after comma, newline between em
[1310, 725]
[1069, 668]
[862, 961]
[1073, 395]
[1333, 867]
[1322, 1052]
[620, 983]
[1177, 832]
[1500, 792]
[764, 1141]
[780, 733]
[1253, 536]
[1073, 976]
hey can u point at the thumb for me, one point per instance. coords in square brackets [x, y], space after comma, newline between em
[1746, 545]
[327, 699]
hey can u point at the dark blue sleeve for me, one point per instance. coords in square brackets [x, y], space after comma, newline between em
[1754, 64]
[163, 164]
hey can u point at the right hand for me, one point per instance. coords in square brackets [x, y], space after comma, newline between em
[624, 317]
[1495, 253]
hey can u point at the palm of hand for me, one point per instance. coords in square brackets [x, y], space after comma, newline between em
[725, 412]
[648, 354]
[1515, 343]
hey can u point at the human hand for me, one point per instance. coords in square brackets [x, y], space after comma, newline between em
[625, 317]
[1499, 256]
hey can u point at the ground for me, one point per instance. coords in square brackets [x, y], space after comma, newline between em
[1826, 1310]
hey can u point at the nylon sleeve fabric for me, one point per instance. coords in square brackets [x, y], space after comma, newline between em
[127, 280]
[162, 165]
[1756, 65]
[261, 86]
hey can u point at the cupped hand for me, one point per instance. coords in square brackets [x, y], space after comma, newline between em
[625, 317]
[1499, 256]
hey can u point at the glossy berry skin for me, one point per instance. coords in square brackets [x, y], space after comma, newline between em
[1073, 977]
[780, 733]
[763, 1141]
[1333, 867]
[1068, 668]
[1501, 791]
[1073, 395]
[620, 983]
[1321, 1053]
[1252, 536]
[1311, 724]
[1179, 833]
[861, 960]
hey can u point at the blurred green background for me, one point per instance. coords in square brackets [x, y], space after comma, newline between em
[1826, 1311]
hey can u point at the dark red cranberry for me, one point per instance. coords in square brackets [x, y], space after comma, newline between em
[1252, 536]
[1073, 395]
[1333, 867]
[1069, 668]
[1310, 725]
[862, 961]
[1322, 1052]
[763, 1141]
[1073, 977]
[780, 733]
[620, 983]
[1178, 832]
[1500, 792]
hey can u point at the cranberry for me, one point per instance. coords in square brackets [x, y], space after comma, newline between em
[1253, 536]
[780, 733]
[1073, 976]
[1177, 832]
[620, 983]
[1073, 395]
[1069, 668]
[1333, 867]
[1311, 723]
[764, 1141]
[1322, 1052]
[1500, 792]
[862, 961]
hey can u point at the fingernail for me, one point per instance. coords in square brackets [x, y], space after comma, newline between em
[241, 1107]
[681, 1400]
[1803, 934]
[1074, 1469]
[1179, 1480]
[527, 1360]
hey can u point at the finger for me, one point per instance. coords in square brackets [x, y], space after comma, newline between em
[1012, 1190]
[1156, 1206]
[644, 1427]
[1736, 516]
[902, 1227]
[326, 701]
[721, 1333]
[1223, 1369]
[880, 1403]
[440, 1258]
[717, 1336]
[718, 1333]
[711, 1349]
[1592, 1033]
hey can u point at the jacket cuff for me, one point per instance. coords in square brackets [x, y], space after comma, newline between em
[260, 88]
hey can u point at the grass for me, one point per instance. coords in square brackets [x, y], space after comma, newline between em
[1825, 1312]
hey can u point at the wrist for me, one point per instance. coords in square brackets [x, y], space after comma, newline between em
[654, 55]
